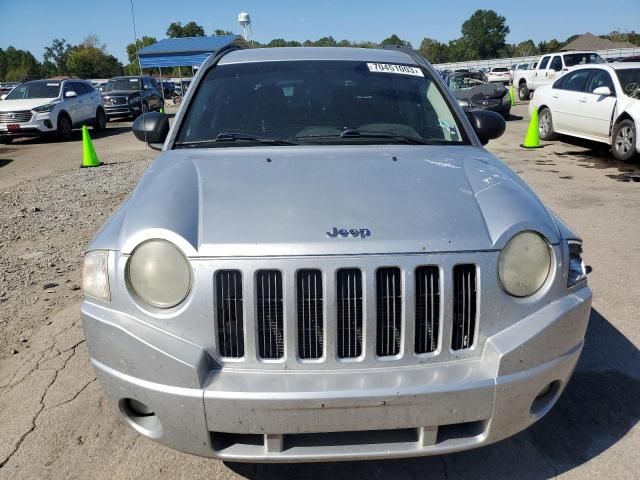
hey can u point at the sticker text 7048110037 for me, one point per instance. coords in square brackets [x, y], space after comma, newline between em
[394, 68]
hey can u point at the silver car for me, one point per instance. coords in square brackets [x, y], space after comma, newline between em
[324, 263]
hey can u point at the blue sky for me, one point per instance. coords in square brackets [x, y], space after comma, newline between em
[32, 24]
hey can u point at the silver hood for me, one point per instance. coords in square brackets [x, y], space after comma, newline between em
[258, 201]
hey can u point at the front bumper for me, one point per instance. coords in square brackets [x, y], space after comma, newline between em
[116, 111]
[39, 124]
[280, 416]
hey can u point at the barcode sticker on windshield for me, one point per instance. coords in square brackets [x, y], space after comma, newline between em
[53, 84]
[392, 68]
[133, 79]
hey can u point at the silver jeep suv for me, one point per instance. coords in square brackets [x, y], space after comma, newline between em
[323, 263]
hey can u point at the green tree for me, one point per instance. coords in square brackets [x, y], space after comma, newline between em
[86, 61]
[525, 49]
[459, 51]
[3, 64]
[191, 29]
[549, 46]
[485, 33]
[395, 40]
[48, 69]
[219, 32]
[434, 51]
[326, 42]
[134, 48]
[57, 53]
[20, 64]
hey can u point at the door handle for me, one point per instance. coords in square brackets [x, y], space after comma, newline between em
[583, 99]
[555, 95]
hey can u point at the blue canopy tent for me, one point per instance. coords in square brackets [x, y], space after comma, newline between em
[185, 52]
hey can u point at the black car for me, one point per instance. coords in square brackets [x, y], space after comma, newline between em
[474, 92]
[131, 96]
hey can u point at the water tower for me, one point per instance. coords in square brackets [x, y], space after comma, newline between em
[244, 22]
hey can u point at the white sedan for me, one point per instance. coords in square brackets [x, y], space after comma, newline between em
[599, 102]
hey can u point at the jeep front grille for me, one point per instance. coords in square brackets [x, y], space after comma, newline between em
[22, 116]
[349, 312]
[464, 306]
[427, 309]
[229, 310]
[269, 314]
[310, 315]
[338, 314]
[389, 311]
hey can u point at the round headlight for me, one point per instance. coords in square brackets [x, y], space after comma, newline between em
[524, 264]
[159, 274]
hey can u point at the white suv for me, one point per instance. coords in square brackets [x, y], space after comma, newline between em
[41, 107]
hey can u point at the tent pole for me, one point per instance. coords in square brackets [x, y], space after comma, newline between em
[180, 75]
[161, 86]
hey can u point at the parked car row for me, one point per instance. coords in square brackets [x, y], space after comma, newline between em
[56, 107]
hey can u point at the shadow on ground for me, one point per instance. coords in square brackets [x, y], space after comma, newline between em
[599, 406]
[4, 162]
[76, 137]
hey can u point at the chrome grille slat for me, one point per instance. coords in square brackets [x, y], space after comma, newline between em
[269, 315]
[229, 313]
[310, 321]
[389, 311]
[427, 313]
[349, 312]
[464, 306]
[21, 116]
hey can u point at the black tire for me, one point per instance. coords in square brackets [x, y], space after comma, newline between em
[545, 125]
[6, 140]
[623, 141]
[523, 91]
[100, 122]
[65, 128]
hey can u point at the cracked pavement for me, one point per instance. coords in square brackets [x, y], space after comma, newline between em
[56, 424]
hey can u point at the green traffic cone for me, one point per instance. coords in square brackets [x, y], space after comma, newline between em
[532, 139]
[512, 96]
[89, 155]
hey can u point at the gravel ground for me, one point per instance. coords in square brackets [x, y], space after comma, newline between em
[46, 224]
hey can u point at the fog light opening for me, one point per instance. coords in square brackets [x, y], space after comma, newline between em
[141, 417]
[545, 399]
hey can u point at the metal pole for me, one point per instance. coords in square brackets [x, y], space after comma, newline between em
[180, 75]
[161, 86]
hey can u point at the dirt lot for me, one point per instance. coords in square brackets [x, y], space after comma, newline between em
[55, 423]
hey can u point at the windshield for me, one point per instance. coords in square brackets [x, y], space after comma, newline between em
[35, 89]
[326, 102]
[467, 80]
[573, 59]
[630, 81]
[132, 84]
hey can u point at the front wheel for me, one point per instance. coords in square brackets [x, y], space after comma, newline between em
[545, 125]
[100, 123]
[623, 145]
[65, 128]
[6, 140]
[523, 92]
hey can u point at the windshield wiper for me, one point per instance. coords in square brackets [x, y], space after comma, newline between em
[353, 133]
[225, 137]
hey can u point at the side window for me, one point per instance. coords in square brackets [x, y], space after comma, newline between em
[600, 78]
[544, 62]
[556, 64]
[576, 81]
[68, 87]
[80, 88]
[558, 83]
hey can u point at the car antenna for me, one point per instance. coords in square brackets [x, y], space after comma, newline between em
[135, 39]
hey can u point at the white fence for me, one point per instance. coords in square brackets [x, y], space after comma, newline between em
[507, 62]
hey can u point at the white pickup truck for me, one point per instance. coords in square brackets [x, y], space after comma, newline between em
[549, 68]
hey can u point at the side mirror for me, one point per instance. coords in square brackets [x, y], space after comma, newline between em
[70, 94]
[3, 96]
[153, 128]
[602, 91]
[488, 125]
